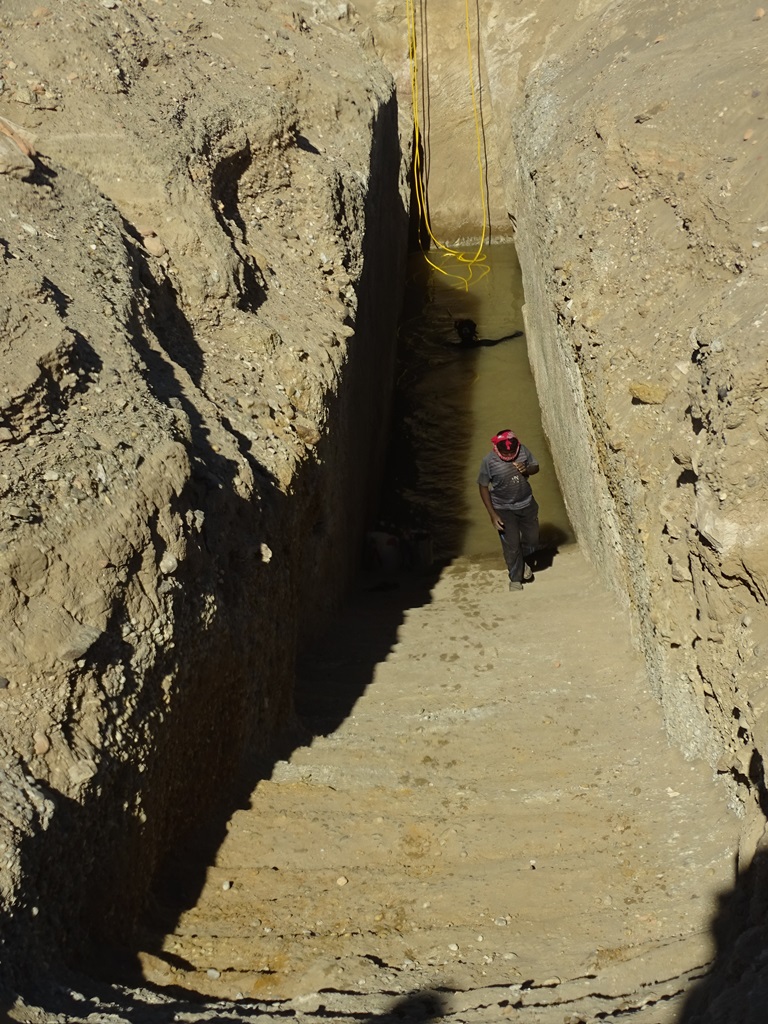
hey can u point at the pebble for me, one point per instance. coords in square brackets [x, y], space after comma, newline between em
[226, 885]
[5, 435]
[213, 973]
[648, 393]
[341, 880]
[453, 947]
[12, 160]
[82, 637]
[42, 743]
[18, 512]
[759, 13]
[168, 564]
[4, 683]
[154, 246]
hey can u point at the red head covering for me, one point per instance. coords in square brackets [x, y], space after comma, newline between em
[506, 444]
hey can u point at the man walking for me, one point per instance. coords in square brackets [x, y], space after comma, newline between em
[509, 501]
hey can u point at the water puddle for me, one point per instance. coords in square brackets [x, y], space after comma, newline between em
[451, 400]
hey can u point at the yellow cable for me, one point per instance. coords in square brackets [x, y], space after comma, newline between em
[418, 170]
[478, 132]
[420, 188]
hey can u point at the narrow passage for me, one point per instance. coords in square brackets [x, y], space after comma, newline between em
[489, 823]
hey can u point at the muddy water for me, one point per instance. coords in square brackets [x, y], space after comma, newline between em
[452, 400]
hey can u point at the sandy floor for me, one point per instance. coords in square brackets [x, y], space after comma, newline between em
[470, 819]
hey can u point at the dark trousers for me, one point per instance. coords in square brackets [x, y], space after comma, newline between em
[520, 536]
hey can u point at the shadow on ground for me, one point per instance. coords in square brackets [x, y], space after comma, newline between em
[735, 990]
[418, 1007]
[334, 673]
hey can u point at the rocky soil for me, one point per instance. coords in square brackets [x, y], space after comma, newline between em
[490, 824]
[189, 334]
[657, 302]
[203, 223]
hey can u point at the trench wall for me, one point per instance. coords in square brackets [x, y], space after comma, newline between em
[191, 438]
[636, 265]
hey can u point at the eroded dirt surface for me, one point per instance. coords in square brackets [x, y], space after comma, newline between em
[490, 812]
[161, 325]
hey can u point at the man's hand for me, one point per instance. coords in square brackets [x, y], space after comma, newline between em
[497, 522]
[521, 468]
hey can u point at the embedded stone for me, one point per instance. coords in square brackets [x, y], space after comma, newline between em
[648, 393]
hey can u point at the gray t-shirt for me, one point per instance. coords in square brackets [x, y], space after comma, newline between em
[508, 487]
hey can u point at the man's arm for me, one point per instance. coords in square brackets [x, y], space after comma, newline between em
[485, 497]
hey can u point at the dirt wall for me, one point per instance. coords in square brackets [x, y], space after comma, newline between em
[197, 357]
[639, 207]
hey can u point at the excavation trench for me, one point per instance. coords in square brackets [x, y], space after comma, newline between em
[483, 814]
[479, 804]
[477, 808]
[478, 811]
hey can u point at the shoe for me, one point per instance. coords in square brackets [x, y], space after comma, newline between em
[514, 585]
[527, 573]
